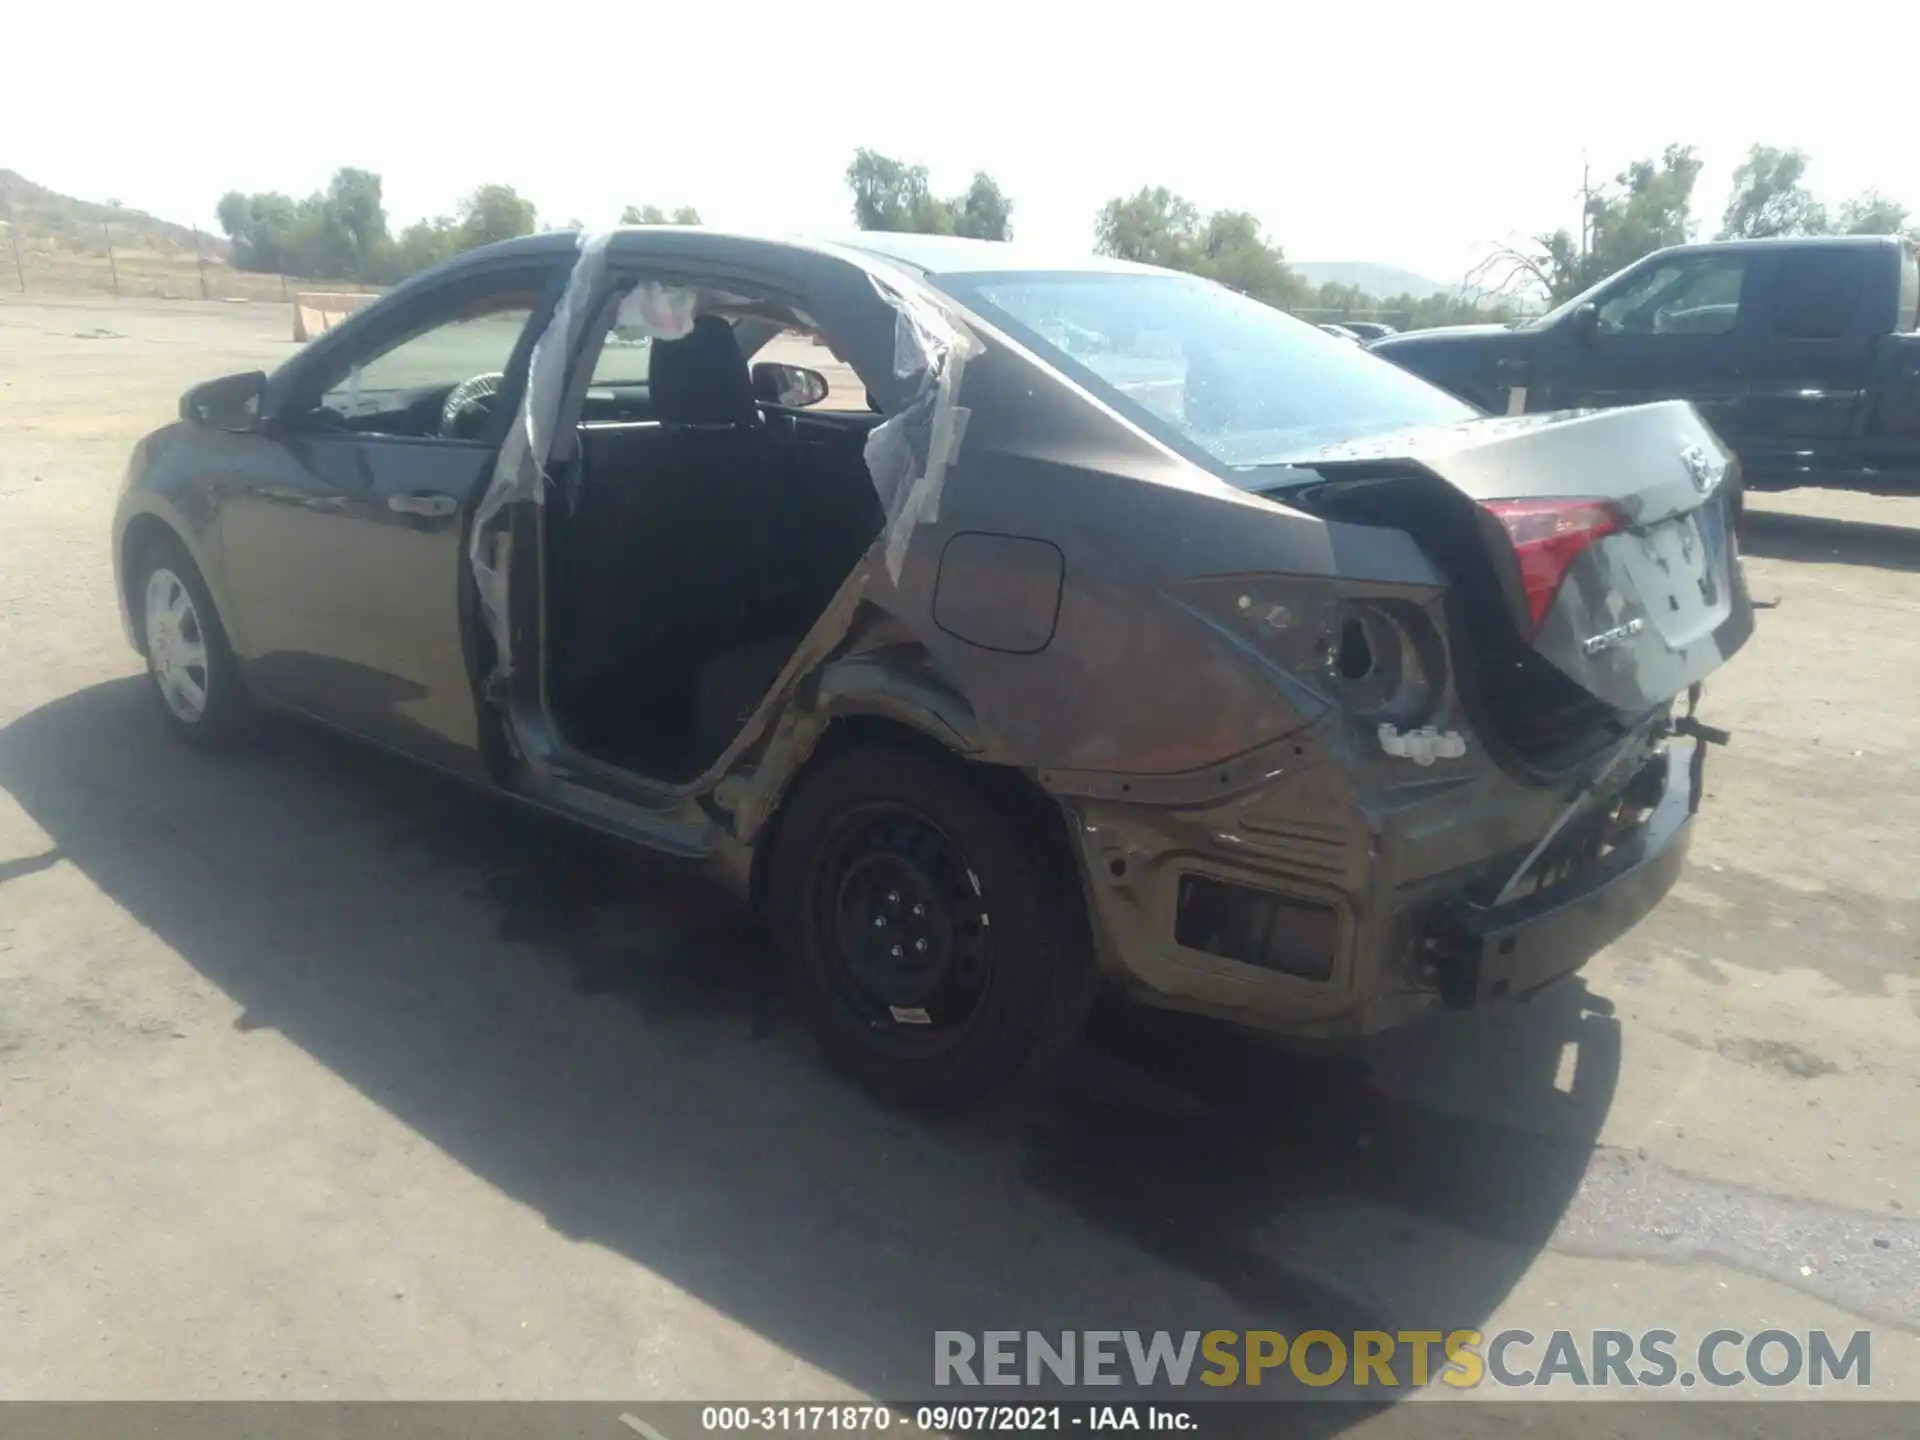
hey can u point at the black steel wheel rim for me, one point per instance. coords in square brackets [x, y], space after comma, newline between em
[903, 925]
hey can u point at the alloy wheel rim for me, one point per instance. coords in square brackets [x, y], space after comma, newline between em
[176, 646]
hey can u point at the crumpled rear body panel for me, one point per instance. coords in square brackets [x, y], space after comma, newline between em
[1038, 600]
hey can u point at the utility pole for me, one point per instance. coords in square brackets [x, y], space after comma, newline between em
[113, 269]
[1588, 239]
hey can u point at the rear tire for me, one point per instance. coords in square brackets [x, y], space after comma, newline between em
[934, 925]
[194, 677]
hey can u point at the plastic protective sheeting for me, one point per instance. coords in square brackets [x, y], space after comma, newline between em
[661, 312]
[908, 454]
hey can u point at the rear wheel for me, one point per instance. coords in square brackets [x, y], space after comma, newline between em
[935, 928]
[194, 675]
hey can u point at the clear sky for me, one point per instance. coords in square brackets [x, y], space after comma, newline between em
[1414, 135]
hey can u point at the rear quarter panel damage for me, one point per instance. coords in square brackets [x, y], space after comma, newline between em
[1029, 613]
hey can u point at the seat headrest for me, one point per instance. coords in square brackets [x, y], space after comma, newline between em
[702, 378]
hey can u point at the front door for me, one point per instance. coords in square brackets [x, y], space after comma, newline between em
[1674, 329]
[345, 559]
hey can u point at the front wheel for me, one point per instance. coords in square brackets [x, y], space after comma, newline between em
[194, 675]
[935, 927]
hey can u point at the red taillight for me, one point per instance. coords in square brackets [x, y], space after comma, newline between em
[1548, 536]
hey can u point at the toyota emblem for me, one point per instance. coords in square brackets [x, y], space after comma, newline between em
[1703, 469]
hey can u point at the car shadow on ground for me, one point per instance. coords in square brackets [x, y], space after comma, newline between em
[1822, 540]
[605, 1044]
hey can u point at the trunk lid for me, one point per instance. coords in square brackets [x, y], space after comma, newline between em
[1617, 565]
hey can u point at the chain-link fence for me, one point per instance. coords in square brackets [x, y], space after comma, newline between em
[49, 253]
[1322, 315]
[92, 250]
[1409, 319]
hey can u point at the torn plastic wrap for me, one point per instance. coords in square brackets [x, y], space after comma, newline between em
[908, 454]
[658, 312]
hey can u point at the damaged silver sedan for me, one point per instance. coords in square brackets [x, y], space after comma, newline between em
[1003, 627]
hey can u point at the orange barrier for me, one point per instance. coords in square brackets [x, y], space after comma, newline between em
[317, 311]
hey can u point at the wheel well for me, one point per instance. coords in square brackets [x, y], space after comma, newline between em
[1013, 788]
[142, 533]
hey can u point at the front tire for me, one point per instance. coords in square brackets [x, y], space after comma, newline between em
[194, 677]
[934, 924]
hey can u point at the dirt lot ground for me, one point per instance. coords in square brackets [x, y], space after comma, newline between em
[319, 1078]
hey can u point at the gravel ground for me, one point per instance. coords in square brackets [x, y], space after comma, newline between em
[319, 1078]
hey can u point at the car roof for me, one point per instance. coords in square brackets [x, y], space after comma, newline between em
[956, 255]
[1788, 242]
[930, 254]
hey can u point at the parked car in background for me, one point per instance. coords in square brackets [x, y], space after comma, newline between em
[1342, 332]
[1368, 329]
[1801, 353]
[1113, 627]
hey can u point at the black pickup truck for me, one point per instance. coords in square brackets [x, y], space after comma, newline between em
[1801, 353]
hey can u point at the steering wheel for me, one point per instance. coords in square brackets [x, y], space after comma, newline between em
[466, 401]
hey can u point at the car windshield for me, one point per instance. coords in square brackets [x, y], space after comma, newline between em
[1247, 384]
[1566, 307]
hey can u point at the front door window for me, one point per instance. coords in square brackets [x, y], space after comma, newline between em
[1692, 295]
[439, 381]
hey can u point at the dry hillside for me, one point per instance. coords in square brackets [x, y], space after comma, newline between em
[59, 245]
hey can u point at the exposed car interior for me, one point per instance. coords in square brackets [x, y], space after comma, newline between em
[703, 528]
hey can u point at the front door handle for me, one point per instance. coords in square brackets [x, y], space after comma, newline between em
[434, 506]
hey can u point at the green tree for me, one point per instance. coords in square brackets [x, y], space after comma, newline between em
[317, 245]
[1770, 197]
[1565, 266]
[654, 215]
[260, 228]
[890, 194]
[495, 212]
[356, 214]
[233, 212]
[1235, 252]
[1872, 213]
[1333, 303]
[1336, 299]
[422, 245]
[1650, 209]
[1154, 226]
[490, 213]
[1648, 206]
[1431, 310]
[984, 212]
[339, 233]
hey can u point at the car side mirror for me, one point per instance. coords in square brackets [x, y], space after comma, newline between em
[793, 387]
[1586, 321]
[232, 403]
